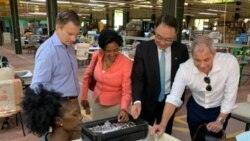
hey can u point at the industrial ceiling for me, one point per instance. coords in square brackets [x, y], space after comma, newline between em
[138, 8]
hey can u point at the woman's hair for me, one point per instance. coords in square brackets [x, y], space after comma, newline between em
[107, 36]
[41, 107]
[68, 16]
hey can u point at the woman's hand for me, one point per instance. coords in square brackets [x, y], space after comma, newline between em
[85, 105]
[123, 116]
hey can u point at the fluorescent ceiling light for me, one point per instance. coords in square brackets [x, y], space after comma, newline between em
[142, 6]
[59, 1]
[38, 0]
[136, 7]
[81, 14]
[214, 10]
[205, 13]
[192, 15]
[246, 20]
[121, 4]
[24, 14]
[207, 1]
[34, 3]
[110, 2]
[37, 13]
[145, 2]
[99, 9]
[63, 2]
[88, 4]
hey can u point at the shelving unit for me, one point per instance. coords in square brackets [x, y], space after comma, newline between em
[232, 30]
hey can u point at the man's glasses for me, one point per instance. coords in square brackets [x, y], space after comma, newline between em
[166, 40]
[207, 80]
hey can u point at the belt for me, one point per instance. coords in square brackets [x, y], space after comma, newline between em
[69, 97]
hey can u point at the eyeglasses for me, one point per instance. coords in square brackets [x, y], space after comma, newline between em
[166, 40]
[207, 80]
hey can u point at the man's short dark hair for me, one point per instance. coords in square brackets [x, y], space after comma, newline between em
[168, 20]
[68, 16]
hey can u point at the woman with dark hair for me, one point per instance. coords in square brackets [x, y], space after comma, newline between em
[111, 71]
[45, 109]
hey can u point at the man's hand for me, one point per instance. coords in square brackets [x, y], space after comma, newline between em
[85, 105]
[123, 116]
[136, 110]
[157, 130]
[214, 126]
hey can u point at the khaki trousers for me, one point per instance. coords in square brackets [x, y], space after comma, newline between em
[101, 112]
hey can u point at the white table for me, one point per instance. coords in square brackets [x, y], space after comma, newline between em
[164, 137]
[26, 75]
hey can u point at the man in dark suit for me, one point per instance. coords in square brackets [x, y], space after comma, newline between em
[154, 69]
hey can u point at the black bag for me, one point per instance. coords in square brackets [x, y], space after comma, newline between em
[92, 80]
[202, 134]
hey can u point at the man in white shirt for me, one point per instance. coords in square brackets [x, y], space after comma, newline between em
[213, 79]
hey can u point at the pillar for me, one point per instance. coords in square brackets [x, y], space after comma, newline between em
[15, 26]
[51, 6]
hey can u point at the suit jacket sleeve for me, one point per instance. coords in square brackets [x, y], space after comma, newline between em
[185, 54]
[137, 75]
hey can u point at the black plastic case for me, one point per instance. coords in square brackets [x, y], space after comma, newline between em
[137, 132]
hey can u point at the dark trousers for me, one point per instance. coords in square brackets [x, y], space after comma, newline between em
[156, 115]
[197, 115]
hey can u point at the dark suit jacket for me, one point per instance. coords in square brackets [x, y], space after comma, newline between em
[146, 85]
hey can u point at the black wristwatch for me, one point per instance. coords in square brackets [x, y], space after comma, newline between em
[221, 120]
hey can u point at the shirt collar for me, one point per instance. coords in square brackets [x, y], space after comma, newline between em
[216, 64]
[167, 50]
[56, 40]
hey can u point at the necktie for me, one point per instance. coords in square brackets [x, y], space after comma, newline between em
[162, 75]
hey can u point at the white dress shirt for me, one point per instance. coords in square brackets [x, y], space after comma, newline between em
[167, 68]
[224, 79]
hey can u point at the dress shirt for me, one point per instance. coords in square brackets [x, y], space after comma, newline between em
[113, 86]
[167, 68]
[56, 67]
[224, 78]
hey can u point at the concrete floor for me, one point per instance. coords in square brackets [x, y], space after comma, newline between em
[25, 61]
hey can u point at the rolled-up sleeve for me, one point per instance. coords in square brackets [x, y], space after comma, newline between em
[231, 87]
[177, 88]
